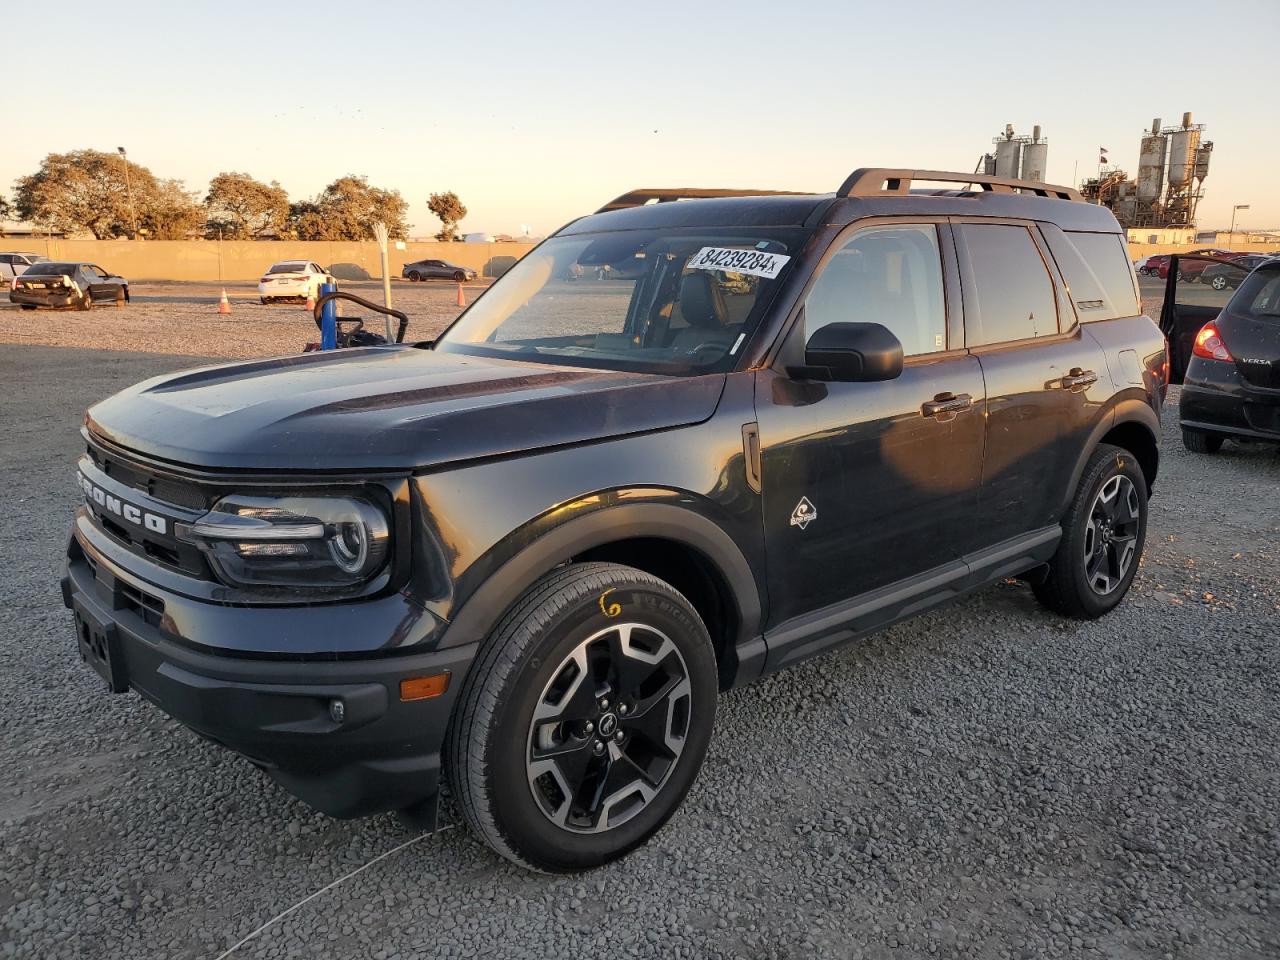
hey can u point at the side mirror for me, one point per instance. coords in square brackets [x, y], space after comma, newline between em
[853, 353]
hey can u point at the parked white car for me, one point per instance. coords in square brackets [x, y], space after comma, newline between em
[292, 280]
[13, 264]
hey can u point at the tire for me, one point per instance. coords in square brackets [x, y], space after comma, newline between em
[579, 615]
[459, 276]
[28, 306]
[1219, 283]
[121, 297]
[1180, 276]
[86, 301]
[1102, 538]
[1199, 441]
[415, 276]
[265, 300]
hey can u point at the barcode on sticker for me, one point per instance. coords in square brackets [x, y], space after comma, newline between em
[732, 260]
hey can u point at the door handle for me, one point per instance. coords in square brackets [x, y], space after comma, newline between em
[945, 406]
[1078, 380]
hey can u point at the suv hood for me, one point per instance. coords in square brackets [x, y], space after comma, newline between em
[380, 408]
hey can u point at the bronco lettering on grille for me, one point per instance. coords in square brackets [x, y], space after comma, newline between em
[124, 510]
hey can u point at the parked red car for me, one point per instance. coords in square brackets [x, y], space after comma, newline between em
[1190, 270]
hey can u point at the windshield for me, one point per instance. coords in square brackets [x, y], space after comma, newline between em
[50, 269]
[292, 266]
[676, 301]
[1259, 294]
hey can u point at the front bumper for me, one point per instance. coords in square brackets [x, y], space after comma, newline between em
[383, 755]
[1216, 399]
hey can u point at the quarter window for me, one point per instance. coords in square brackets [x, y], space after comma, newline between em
[1008, 291]
[891, 275]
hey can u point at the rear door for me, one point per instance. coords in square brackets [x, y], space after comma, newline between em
[1046, 379]
[866, 485]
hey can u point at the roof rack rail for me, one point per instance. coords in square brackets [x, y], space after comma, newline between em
[638, 198]
[881, 181]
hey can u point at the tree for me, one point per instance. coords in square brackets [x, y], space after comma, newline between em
[347, 209]
[450, 211]
[245, 208]
[85, 190]
[171, 212]
[6, 211]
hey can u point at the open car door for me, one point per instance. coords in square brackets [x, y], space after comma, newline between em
[1197, 289]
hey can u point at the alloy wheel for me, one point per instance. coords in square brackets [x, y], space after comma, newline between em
[1111, 538]
[609, 728]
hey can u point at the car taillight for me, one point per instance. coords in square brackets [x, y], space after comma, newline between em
[265, 280]
[1209, 344]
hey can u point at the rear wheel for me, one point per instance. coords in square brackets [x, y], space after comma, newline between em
[86, 301]
[585, 718]
[414, 276]
[28, 306]
[1102, 538]
[459, 276]
[1199, 441]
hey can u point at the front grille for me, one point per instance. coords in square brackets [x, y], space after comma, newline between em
[137, 475]
[176, 499]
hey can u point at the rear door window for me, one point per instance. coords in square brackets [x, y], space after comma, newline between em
[1008, 292]
[891, 275]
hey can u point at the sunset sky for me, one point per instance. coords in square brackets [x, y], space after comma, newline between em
[537, 113]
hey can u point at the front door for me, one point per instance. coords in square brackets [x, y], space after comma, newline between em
[868, 484]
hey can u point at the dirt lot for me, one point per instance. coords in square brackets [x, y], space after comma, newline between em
[183, 318]
[985, 781]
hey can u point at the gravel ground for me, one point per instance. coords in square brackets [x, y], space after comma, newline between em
[985, 781]
[183, 318]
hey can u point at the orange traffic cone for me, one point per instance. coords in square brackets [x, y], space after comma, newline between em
[462, 301]
[223, 305]
[311, 303]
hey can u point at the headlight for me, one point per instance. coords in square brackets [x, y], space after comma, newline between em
[318, 542]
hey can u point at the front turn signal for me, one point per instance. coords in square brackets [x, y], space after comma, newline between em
[424, 688]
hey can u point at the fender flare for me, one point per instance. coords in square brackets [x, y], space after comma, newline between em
[1127, 410]
[483, 608]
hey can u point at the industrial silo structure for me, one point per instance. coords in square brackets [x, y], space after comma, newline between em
[1035, 157]
[1008, 153]
[1183, 144]
[1151, 164]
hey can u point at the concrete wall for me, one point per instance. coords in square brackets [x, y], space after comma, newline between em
[1137, 250]
[248, 259]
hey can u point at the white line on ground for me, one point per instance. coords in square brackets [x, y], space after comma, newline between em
[305, 900]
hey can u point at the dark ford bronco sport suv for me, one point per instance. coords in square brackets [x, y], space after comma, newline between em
[527, 556]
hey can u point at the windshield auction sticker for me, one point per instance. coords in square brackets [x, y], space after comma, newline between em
[754, 262]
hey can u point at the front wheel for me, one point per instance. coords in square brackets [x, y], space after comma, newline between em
[459, 276]
[1103, 534]
[585, 718]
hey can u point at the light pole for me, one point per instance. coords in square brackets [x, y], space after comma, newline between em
[128, 190]
[1238, 206]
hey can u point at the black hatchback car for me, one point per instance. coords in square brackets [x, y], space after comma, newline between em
[1231, 386]
[68, 284]
[526, 556]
